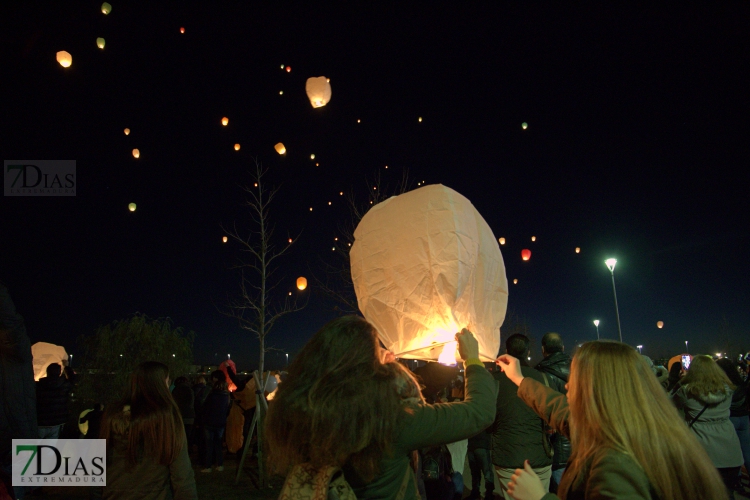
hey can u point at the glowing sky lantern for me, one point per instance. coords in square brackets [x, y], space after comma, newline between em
[131, 207]
[288, 69]
[100, 42]
[524, 125]
[236, 147]
[502, 241]
[525, 254]
[45, 354]
[533, 238]
[224, 239]
[301, 282]
[312, 157]
[106, 8]
[659, 324]
[318, 91]
[280, 148]
[64, 58]
[424, 265]
[420, 119]
[225, 121]
[282, 66]
[578, 249]
[182, 30]
[127, 131]
[136, 153]
[515, 281]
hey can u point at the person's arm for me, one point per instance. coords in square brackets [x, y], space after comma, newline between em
[181, 476]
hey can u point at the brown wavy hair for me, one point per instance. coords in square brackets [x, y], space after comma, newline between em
[148, 416]
[616, 403]
[704, 377]
[339, 404]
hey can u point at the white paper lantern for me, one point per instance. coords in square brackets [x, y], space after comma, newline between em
[425, 264]
[318, 91]
[45, 354]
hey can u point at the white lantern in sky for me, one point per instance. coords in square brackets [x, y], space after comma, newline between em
[64, 58]
[318, 91]
[45, 354]
[425, 264]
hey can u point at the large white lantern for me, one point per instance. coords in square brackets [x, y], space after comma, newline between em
[45, 354]
[318, 91]
[425, 264]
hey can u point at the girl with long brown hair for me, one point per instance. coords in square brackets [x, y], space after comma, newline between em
[147, 455]
[628, 439]
[344, 405]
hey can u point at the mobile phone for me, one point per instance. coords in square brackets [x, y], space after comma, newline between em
[686, 361]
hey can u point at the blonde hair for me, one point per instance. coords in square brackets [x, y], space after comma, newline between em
[705, 377]
[616, 403]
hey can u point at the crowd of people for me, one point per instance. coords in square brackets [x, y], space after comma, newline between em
[351, 421]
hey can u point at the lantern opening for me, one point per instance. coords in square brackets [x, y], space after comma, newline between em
[448, 355]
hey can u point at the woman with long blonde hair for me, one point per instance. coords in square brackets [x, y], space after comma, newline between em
[628, 439]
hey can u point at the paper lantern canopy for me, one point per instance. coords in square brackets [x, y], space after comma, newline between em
[236, 147]
[224, 239]
[525, 254]
[280, 148]
[515, 281]
[64, 58]
[578, 250]
[659, 324]
[45, 354]
[524, 125]
[301, 282]
[318, 91]
[106, 8]
[182, 30]
[424, 265]
[502, 241]
[131, 207]
[533, 238]
[127, 131]
[225, 121]
[100, 42]
[136, 153]
[288, 69]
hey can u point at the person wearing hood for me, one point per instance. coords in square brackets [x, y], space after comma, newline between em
[704, 395]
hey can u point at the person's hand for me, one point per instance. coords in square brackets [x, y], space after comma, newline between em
[511, 367]
[525, 484]
[468, 347]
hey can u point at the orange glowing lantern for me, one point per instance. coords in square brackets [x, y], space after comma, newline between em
[136, 153]
[280, 148]
[182, 30]
[515, 281]
[225, 121]
[127, 131]
[578, 250]
[225, 239]
[288, 69]
[659, 324]
[533, 238]
[318, 91]
[502, 241]
[525, 254]
[64, 58]
[301, 283]
[236, 147]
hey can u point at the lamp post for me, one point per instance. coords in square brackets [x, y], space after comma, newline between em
[70, 361]
[287, 358]
[596, 324]
[639, 348]
[687, 351]
[611, 266]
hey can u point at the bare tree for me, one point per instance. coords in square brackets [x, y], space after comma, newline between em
[259, 304]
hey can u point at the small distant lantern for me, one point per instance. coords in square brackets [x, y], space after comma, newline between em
[533, 238]
[312, 157]
[524, 125]
[525, 254]
[502, 241]
[64, 58]
[359, 121]
[225, 239]
[341, 193]
[127, 131]
[515, 281]
[282, 66]
[301, 282]
[659, 324]
[288, 69]
[281, 92]
[236, 147]
[420, 119]
[131, 207]
[280, 148]
[225, 121]
[290, 240]
[106, 8]
[136, 153]
[100, 42]
[182, 30]
[578, 249]
[318, 91]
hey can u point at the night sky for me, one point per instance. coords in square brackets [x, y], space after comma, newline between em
[637, 147]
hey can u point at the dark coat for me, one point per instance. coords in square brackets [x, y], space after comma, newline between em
[200, 393]
[216, 409]
[17, 391]
[52, 400]
[557, 368]
[517, 433]
[185, 399]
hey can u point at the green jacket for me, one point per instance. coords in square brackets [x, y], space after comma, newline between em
[608, 475]
[431, 425]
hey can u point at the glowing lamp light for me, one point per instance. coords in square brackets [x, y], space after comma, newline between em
[131, 207]
[280, 148]
[448, 355]
[182, 30]
[106, 8]
[524, 125]
[611, 263]
[525, 254]
[236, 147]
[578, 249]
[136, 153]
[502, 241]
[100, 42]
[64, 58]
[225, 121]
[225, 239]
[318, 91]
[301, 283]
[659, 324]
[596, 322]
[127, 131]
[533, 238]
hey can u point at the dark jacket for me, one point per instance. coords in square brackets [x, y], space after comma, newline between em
[215, 409]
[557, 368]
[739, 406]
[17, 391]
[185, 399]
[52, 400]
[200, 392]
[148, 479]
[517, 433]
[609, 473]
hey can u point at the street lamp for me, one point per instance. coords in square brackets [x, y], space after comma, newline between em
[229, 356]
[639, 348]
[596, 324]
[70, 361]
[611, 266]
[687, 351]
[287, 358]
